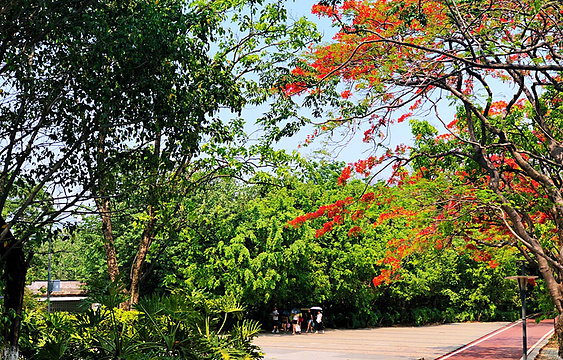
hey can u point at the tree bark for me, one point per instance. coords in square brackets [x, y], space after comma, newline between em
[104, 209]
[147, 237]
[139, 262]
[14, 274]
[559, 334]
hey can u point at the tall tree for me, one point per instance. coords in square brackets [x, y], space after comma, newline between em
[41, 145]
[499, 62]
[182, 88]
[263, 41]
[235, 239]
[96, 88]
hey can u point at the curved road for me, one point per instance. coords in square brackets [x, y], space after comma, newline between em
[486, 341]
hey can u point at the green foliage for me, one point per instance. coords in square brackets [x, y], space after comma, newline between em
[247, 249]
[444, 286]
[235, 240]
[184, 325]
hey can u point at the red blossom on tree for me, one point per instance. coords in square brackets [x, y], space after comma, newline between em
[492, 177]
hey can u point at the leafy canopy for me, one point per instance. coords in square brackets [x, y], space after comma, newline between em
[490, 174]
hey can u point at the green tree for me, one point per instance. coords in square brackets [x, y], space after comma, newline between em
[248, 249]
[262, 42]
[234, 239]
[98, 90]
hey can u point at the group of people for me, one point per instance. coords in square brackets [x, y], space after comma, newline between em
[294, 321]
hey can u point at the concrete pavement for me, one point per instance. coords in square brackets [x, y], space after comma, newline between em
[506, 343]
[393, 343]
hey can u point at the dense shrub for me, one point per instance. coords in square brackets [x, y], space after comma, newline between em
[179, 326]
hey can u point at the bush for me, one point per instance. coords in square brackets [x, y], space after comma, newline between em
[180, 326]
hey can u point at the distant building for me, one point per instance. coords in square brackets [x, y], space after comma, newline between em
[66, 294]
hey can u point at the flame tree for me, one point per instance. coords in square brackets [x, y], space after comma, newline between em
[489, 72]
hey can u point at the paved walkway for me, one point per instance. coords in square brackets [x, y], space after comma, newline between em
[549, 351]
[394, 343]
[506, 343]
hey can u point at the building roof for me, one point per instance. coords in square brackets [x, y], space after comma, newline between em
[67, 288]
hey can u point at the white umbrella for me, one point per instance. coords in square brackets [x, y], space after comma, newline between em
[316, 308]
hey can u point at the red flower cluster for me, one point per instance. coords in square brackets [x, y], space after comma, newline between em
[294, 88]
[368, 197]
[397, 250]
[327, 227]
[334, 211]
[403, 117]
[346, 94]
[322, 10]
[343, 178]
[355, 231]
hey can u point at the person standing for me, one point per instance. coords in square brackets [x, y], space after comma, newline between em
[295, 323]
[319, 323]
[275, 320]
[285, 322]
[309, 321]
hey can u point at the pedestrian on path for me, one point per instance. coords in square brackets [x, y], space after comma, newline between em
[309, 321]
[296, 324]
[275, 320]
[319, 326]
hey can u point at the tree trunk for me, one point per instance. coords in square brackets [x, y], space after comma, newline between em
[103, 205]
[559, 333]
[104, 209]
[14, 273]
[139, 262]
[555, 292]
